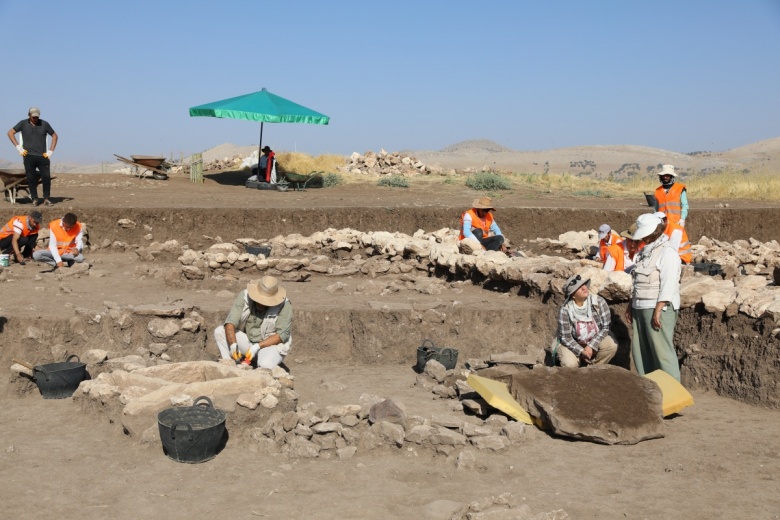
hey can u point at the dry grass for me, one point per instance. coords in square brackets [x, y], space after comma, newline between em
[763, 186]
[296, 162]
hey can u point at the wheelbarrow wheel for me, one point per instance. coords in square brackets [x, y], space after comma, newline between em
[160, 176]
[282, 186]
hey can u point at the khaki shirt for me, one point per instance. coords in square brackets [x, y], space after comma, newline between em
[257, 314]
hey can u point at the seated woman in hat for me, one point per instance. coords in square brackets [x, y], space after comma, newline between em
[583, 336]
[258, 325]
[478, 223]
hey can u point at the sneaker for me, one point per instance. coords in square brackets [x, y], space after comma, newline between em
[36, 202]
[47, 202]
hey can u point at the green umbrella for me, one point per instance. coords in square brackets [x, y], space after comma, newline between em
[261, 106]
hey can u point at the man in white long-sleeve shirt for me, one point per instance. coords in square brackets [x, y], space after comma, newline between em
[66, 242]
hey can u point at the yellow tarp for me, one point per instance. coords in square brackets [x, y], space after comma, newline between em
[675, 396]
[497, 395]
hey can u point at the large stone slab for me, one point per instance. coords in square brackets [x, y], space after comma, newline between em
[608, 404]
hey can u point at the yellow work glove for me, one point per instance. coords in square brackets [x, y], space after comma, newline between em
[48, 154]
[21, 150]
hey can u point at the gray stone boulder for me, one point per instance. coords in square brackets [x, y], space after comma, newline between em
[604, 404]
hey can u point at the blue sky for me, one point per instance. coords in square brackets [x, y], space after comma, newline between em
[119, 76]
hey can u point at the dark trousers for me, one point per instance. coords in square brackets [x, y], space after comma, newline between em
[35, 166]
[493, 243]
[26, 245]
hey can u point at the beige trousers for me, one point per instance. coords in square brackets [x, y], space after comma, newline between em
[607, 350]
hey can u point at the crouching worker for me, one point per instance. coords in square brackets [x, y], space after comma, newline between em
[19, 235]
[66, 242]
[257, 329]
[478, 223]
[583, 327]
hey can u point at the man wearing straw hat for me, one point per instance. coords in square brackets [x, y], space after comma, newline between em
[257, 329]
[478, 223]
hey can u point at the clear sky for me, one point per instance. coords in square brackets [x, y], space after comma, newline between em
[118, 76]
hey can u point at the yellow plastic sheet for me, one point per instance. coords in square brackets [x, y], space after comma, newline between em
[675, 396]
[497, 395]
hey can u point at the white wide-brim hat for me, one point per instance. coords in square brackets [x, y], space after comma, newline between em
[668, 169]
[645, 225]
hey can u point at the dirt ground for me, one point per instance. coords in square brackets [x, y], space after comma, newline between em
[719, 459]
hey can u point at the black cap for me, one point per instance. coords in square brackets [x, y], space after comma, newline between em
[36, 215]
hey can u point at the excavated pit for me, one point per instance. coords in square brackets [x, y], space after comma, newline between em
[353, 324]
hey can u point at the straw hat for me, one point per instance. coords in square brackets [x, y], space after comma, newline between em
[629, 233]
[483, 203]
[266, 291]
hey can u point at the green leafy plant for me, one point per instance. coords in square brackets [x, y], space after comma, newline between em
[488, 181]
[393, 182]
[331, 180]
[450, 180]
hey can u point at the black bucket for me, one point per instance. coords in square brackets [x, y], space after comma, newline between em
[194, 433]
[650, 198]
[259, 250]
[60, 380]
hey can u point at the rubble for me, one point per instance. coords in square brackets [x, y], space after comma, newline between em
[748, 279]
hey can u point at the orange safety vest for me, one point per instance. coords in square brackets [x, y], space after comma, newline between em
[617, 252]
[66, 240]
[669, 203]
[616, 239]
[685, 246]
[477, 223]
[8, 229]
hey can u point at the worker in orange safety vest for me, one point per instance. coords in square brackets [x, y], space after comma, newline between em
[678, 238]
[19, 236]
[478, 223]
[671, 197]
[66, 243]
[607, 237]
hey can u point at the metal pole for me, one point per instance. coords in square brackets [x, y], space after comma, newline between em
[260, 147]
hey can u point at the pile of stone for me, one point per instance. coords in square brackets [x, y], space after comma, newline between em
[340, 431]
[347, 252]
[384, 163]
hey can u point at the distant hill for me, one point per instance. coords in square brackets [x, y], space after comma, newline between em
[476, 145]
[617, 162]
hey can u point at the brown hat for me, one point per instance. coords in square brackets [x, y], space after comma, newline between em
[483, 203]
[629, 233]
[266, 291]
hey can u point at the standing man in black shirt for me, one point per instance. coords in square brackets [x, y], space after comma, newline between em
[36, 155]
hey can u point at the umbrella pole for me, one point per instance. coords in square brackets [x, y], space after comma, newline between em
[260, 148]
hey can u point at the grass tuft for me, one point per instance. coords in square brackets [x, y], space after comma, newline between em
[393, 182]
[488, 181]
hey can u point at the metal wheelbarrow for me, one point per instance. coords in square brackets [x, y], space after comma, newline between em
[147, 165]
[297, 180]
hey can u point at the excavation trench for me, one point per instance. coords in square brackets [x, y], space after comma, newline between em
[356, 319]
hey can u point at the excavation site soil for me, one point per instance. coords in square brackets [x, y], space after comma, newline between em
[355, 334]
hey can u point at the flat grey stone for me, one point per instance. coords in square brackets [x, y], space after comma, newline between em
[604, 404]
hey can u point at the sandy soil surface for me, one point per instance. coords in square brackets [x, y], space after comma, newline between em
[719, 458]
